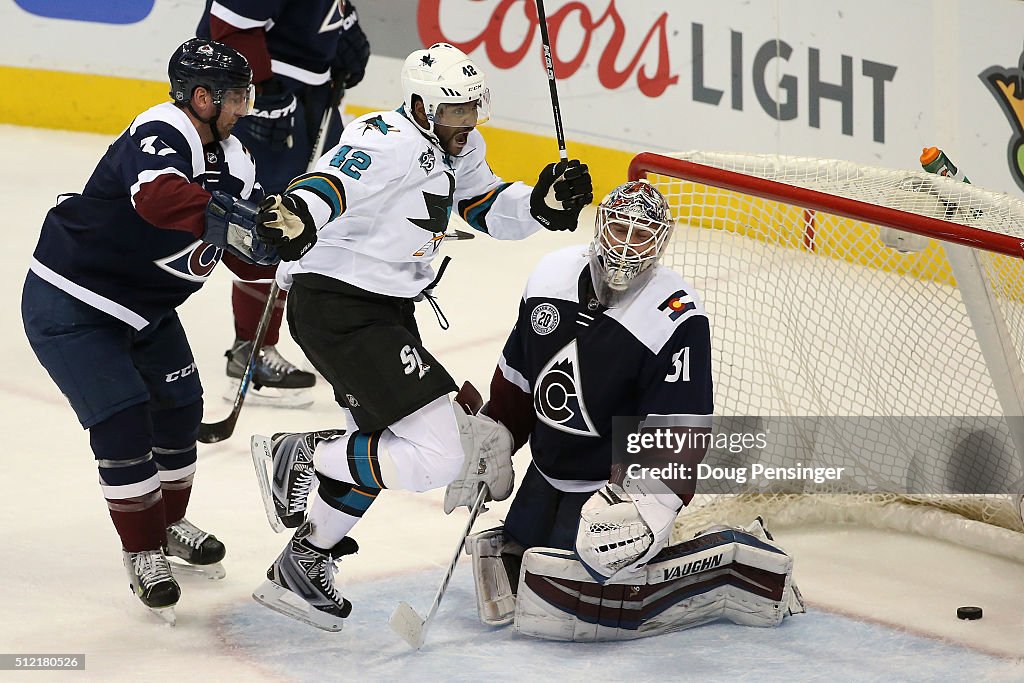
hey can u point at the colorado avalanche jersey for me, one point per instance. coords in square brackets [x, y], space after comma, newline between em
[382, 198]
[571, 365]
[301, 35]
[104, 246]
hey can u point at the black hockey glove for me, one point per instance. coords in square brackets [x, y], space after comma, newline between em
[231, 225]
[353, 51]
[273, 115]
[285, 223]
[561, 192]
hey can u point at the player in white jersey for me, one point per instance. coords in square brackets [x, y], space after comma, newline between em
[360, 234]
[605, 333]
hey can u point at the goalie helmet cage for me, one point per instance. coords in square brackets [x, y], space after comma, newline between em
[863, 318]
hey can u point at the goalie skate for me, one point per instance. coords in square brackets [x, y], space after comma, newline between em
[300, 583]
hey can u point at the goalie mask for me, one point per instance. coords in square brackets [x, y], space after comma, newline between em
[633, 227]
[450, 84]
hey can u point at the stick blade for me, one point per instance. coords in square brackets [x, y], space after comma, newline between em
[216, 431]
[407, 623]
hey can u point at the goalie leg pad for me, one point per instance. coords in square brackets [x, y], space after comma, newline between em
[722, 573]
[493, 554]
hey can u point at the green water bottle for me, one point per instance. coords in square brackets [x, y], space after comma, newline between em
[934, 160]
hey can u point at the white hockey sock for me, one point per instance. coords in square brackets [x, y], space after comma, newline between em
[330, 525]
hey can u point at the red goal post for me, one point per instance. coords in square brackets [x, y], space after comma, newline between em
[866, 317]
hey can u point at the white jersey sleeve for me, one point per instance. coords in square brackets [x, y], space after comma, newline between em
[486, 202]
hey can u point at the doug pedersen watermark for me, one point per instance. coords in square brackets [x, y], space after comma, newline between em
[666, 453]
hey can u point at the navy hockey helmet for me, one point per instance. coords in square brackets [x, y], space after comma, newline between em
[201, 62]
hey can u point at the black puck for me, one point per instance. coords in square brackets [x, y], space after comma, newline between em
[969, 613]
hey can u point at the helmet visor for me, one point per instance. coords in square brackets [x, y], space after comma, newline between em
[235, 98]
[464, 114]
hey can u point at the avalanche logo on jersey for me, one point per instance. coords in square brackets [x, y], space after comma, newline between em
[557, 399]
[193, 263]
[677, 305]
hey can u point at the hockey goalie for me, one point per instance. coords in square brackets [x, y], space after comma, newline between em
[604, 331]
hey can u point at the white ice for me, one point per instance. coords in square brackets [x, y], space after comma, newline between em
[882, 606]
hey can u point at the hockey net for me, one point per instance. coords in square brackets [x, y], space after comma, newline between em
[901, 365]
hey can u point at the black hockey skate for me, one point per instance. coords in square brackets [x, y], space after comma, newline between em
[300, 583]
[275, 380]
[201, 551]
[150, 578]
[289, 457]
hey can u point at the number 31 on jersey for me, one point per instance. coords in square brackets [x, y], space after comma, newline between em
[680, 366]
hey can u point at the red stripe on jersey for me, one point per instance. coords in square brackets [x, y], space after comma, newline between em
[251, 42]
[512, 407]
[169, 201]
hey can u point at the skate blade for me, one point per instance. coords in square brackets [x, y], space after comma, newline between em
[213, 572]
[270, 397]
[283, 601]
[166, 614]
[263, 461]
[407, 623]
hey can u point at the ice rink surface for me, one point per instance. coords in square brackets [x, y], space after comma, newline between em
[882, 606]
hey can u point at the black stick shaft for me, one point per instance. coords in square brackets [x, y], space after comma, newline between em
[542, 20]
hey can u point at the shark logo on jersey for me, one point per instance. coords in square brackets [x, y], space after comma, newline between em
[427, 160]
[193, 263]
[557, 399]
[439, 209]
[427, 60]
[378, 124]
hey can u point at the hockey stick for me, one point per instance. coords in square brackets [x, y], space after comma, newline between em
[218, 431]
[552, 86]
[405, 621]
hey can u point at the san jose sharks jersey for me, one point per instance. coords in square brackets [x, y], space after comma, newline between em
[382, 198]
[570, 365]
[294, 38]
[130, 244]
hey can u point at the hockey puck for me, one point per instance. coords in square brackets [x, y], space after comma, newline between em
[968, 613]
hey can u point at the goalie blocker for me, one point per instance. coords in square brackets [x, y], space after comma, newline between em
[739, 575]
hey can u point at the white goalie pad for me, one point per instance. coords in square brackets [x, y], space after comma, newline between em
[488, 448]
[495, 599]
[722, 573]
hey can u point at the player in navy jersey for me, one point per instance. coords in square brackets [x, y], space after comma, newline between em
[172, 196]
[304, 55]
[603, 331]
[360, 234]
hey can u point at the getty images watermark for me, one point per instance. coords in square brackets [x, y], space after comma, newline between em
[666, 453]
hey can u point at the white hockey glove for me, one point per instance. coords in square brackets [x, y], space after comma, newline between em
[619, 532]
[488, 448]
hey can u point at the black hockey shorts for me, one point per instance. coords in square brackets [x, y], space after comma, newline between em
[368, 347]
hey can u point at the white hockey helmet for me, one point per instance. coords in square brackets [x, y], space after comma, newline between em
[444, 77]
[633, 227]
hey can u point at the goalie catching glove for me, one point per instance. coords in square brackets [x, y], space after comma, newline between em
[619, 531]
[284, 222]
[561, 192]
[488, 448]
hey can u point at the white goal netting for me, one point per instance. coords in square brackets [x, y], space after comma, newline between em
[850, 353]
